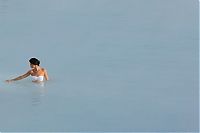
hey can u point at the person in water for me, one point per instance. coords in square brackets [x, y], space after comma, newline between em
[38, 73]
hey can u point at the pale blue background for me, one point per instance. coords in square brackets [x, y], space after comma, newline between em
[115, 65]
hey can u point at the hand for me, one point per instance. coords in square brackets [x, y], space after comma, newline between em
[8, 81]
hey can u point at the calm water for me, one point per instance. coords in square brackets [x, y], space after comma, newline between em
[115, 65]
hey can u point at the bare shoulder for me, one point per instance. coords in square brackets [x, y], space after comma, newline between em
[30, 71]
[44, 70]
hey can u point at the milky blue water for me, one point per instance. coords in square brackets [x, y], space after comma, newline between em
[114, 65]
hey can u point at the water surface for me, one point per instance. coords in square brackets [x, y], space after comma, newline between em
[115, 65]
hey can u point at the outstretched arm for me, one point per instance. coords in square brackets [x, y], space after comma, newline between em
[20, 77]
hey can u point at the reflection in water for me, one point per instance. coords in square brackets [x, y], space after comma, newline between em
[38, 94]
[3, 7]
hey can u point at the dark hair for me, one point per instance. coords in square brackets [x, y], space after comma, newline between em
[34, 61]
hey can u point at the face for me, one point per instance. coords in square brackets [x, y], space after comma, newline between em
[32, 66]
